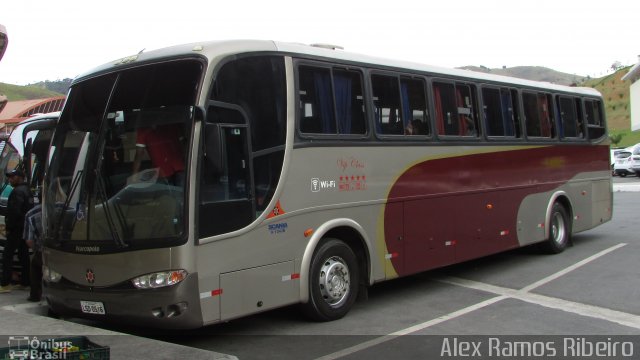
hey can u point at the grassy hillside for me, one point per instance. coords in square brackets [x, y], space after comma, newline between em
[537, 73]
[17, 92]
[614, 91]
[616, 98]
[617, 105]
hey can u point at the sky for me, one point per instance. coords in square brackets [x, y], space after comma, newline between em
[51, 40]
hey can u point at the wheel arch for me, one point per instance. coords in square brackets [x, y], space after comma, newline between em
[346, 230]
[563, 199]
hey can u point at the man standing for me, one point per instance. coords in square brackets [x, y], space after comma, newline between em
[19, 202]
[33, 237]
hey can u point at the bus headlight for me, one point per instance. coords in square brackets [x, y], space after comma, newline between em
[50, 275]
[159, 279]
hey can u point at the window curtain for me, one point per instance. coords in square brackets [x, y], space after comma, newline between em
[343, 88]
[507, 113]
[322, 84]
[461, 118]
[439, 112]
[544, 116]
[407, 115]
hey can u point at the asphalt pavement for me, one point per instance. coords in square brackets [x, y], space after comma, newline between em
[20, 318]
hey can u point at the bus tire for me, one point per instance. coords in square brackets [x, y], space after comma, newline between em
[333, 281]
[559, 230]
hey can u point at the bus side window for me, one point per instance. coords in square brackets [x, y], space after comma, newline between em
[538, 117]
[331, 101]
[317, 112]
[466, 102]
[595, 121]
[510, 112]
[414, 107]
[493, 112]
[386, 100]
[569, 119]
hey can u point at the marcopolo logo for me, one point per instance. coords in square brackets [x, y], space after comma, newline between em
[318, 185]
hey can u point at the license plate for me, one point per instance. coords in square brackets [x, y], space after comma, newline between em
[92, 307]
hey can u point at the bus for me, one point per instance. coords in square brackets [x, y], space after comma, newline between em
[201, 183]
[26, 149]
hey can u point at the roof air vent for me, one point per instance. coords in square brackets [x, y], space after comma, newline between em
[328, 46]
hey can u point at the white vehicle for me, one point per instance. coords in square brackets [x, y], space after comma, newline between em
[621, 164]
[633, 161]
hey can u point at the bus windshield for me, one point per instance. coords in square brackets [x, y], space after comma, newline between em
[117, 168]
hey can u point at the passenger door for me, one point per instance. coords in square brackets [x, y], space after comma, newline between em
[225, 178]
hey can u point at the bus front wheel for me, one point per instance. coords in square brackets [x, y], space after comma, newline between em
[333, 281]
[559, 230]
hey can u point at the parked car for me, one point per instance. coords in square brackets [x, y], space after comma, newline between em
[622, 164]
[633, 161]
[614, 152]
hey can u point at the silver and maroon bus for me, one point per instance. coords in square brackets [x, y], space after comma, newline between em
[200, 183]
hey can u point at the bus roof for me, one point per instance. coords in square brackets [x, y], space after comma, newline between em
[215, 50]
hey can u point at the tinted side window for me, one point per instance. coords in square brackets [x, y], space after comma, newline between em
[595, 119]
[538, 117]
[414, 105]
[570, 117]
[254, 92]
[257, 85]
[456, 109]
[386, 102]
[491, 104]
[500, 112]
[331, 101]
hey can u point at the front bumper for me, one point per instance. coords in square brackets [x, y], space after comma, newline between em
[171, 307]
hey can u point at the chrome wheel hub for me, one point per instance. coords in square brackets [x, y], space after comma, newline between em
[558, 229]
[335, 283]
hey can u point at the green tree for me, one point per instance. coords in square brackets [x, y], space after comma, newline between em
[616, 138]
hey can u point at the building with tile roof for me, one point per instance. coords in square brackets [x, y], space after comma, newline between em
[15, 111]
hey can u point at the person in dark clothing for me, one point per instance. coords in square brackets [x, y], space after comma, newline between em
[19, 202]
[33, 237]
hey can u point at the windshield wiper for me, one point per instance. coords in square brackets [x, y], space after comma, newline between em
[74, 185]
[102, 195]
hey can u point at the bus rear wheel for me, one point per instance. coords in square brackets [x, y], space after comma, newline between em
[333, 281]
[559, 230]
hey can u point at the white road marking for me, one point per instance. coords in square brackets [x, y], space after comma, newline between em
[626, 187]
[591, 311]
[571, 268]
[409, 330]
[523, 294]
